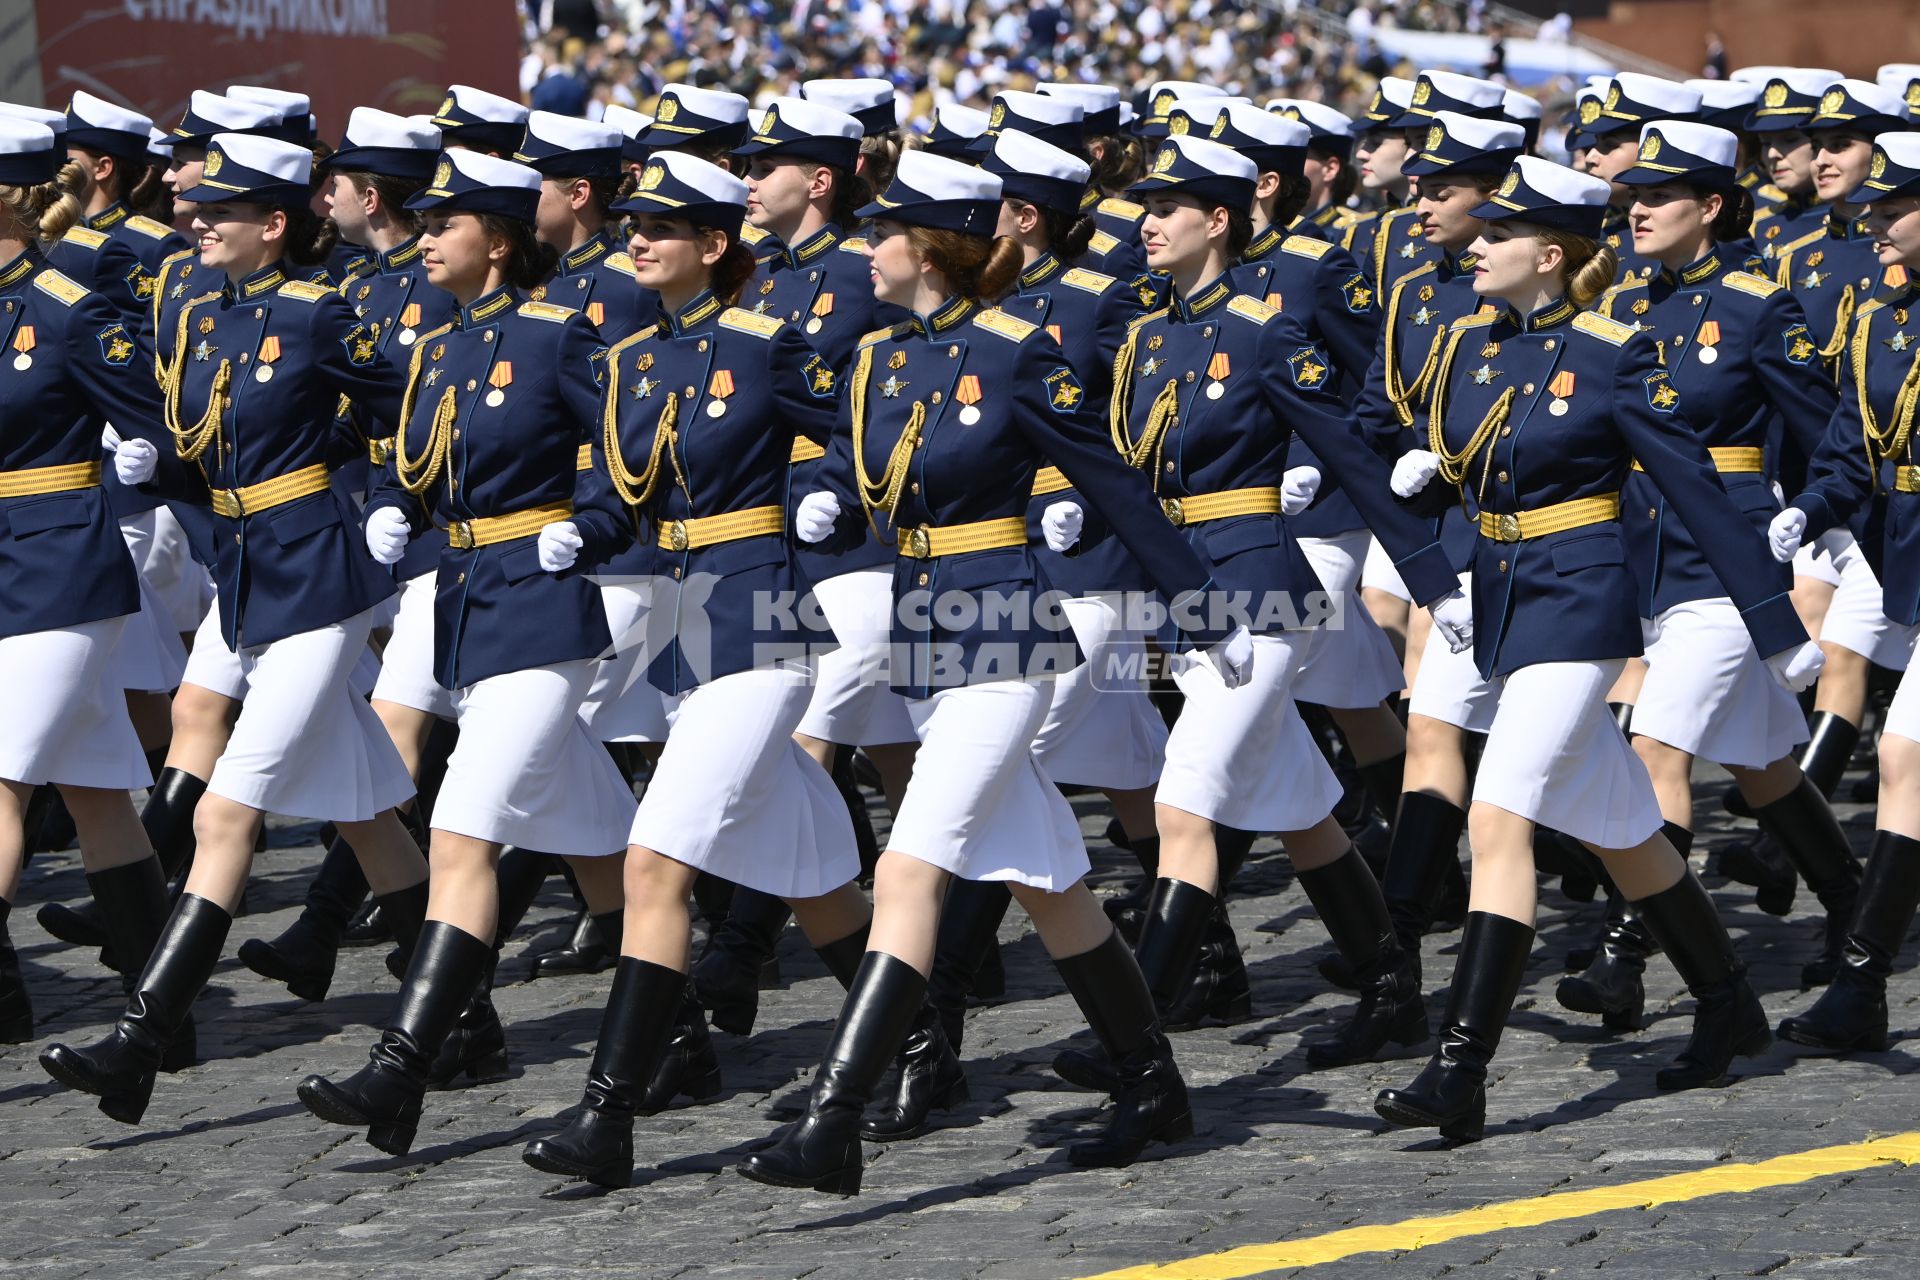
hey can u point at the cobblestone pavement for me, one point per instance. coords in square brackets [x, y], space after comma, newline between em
[231, 1176]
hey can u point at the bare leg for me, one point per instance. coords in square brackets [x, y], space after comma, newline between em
[907, 894]
[462, 890]
[13, 845]
[1627, 688]
[1437, 759]
[1899, 786]
[656, 927]
[1187, 850]
[388, 857]
[1070, 922]
[1842, 690]
[1390, 614]
[1373, 734]
[409, 728]
[601, 882]
[1672, 772]
[832, 916]
[152, 716]
[1317, 846]
[109, 827]
[1503, 876]
[202, 722]
[1762, 787]
[1135, 811]
[224, 831]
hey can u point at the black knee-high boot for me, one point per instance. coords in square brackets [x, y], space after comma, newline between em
[590, 949]
[1128, 908]
[1426, 842]
[168, 818]
[1612, 984]
[1728, 1021]
[134, 906]
[727, 977]
[1150, 1098]
[385, 1095]
[1851, 1014]
[120, 1069]
[635, 1028]
[1350, 905]
[1217, 989]
[688, 1067]
[303, 956]
[1383, 780]
[16, 1009]
[1802, 823]
[520, 874]
[1177, 917]
[1450, 1093]
[822, 1150]
[927, 1075]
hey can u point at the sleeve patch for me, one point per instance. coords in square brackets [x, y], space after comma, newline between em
[1064, 392]
[1358, 292]
[1801, 348]
[749, 322]
[362, 347]
[1309, 367]
[1660, 393]
[819, 376]
[116, 348]
[141, 283]
[597, 362]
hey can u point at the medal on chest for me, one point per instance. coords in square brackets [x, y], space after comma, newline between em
[1561, 389]
[24, 343]
[269, 354]
[499, 379]
[719, 387]
[968, 394]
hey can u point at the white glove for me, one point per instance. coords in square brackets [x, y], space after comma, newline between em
[1414, 470]
[1233, 657]
[1798, 667]
[1061, 524]
[1453, 617]
[1786, 532]
[388, 534]
[1297, 488]
[135, 461]
[560, 544]
[816, 515]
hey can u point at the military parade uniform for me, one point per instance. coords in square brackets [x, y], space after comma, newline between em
[1866, 462]
[1539, 417]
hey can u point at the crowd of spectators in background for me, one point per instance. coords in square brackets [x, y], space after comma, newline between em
[581, 54]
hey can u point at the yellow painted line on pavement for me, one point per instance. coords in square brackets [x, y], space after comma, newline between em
[1418, 1233]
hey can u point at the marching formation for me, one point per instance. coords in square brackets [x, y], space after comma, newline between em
[457, 483]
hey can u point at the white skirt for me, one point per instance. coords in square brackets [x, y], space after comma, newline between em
[1903, 714]
[211, 665]
[1243, 757]
[1857, 620]
[1380, 574]
[161, 556]
[307, 746]
[1555, 755]
[979, 805]
[1348, 660]
[526, 772]
[62, 720]
[149, 657]
[1708, 693]
[622, 705]
[735, 795]
[1102, 730]
[406, 665]
[852, 704]
[1448, 686]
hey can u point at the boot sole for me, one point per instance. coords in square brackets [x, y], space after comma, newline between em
[319, 1098]
[614, 1179]
[841, 1182]
[127, 1108]
[1457, 1129]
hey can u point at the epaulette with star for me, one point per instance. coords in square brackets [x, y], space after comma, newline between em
[1102, 244]
[55, 285]
[1306, 247]
[1251, 309]
[1603, 328]
[1089, 281]
[85, 238]
[744, 321]
[548, 311]
[1006, 326]
[304, 290]
[1748, 282]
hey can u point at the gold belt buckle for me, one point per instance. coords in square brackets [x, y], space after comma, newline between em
[920, 543]
[677, 535]
[460, 535]
[1174, 511]
[1509, 528]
